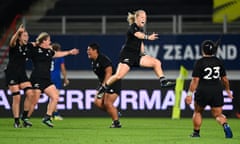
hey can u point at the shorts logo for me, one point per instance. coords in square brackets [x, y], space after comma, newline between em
[12, 82]
[111, 90]
[126, 60]
[36, 85]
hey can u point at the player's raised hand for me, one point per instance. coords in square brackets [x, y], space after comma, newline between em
[153, 36]
[21, 28]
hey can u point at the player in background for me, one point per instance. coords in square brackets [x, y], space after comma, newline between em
[16, 76]
[40, 78]
[207, 78]
[103, 68]
[132, 53]
[58, 68]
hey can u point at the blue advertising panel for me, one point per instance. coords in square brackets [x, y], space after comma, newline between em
[172, 50]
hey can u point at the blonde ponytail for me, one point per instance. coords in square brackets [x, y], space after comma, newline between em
[131, 18]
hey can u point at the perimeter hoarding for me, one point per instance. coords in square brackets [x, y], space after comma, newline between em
[139, 98]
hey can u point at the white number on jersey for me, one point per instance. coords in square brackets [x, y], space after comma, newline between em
[212, 73]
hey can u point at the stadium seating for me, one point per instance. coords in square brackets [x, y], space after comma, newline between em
[10, 8]
[110, 7]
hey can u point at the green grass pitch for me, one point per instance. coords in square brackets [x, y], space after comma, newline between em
[134, 131]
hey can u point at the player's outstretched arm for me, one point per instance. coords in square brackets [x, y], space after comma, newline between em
[73, 51]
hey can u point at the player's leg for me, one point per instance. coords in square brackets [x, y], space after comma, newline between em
[222, 120]
[99, 102]
[58, 83]
[122, 70]
[16, 98]
[27, 88]
[52, 92]
[197, 120]
[111, 109]
[150, 62]
[34, 101]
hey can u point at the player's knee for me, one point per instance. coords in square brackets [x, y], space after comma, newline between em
[219, 116]
[107, 104]
[118, 76]
[157, 62]
[55, 98]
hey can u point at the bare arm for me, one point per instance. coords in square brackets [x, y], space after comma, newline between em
[225, 82]
[66, 53]
[142, 48]
[15, 36]
[192, 88]
[64, 74]
[141, 35]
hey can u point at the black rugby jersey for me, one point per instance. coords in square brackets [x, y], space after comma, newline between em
[99, 66]
[41, 58]
[18, 56]
[209, 70]
[133, 44]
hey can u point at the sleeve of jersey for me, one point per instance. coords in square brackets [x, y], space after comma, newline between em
[222, 70]
[52, 53]
[196, 70]
[106, 62]
[133, 29]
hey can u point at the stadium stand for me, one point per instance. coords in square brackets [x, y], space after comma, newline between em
[110, 7]
[10, 8]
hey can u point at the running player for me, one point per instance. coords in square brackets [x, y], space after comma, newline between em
[132, 53]
[58, 68]
[103, 68]
[16, 76]
[208, 73]
[40, 78]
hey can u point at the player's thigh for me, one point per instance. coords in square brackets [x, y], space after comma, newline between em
[52, 92]
[148, 61]
[216, 111]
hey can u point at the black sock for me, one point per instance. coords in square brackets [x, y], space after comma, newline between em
[24, 115]
[196, 131]
[116, 122]
[16, 120]
[47, 116]
[162, 79]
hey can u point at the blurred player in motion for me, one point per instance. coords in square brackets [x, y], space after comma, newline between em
[41, 57]
[16, 76]
[58, 68]
[132, 53]
[103, 68]
[208, 73]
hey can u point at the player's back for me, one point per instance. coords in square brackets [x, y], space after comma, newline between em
[209, 70]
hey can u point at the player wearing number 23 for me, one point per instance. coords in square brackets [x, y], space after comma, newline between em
[207, 78]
